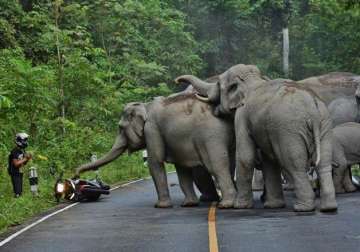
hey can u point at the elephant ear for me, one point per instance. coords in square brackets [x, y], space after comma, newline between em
[236, 95]
[139, 117]
[214, 93]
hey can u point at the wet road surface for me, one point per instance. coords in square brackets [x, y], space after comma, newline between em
[127, 221]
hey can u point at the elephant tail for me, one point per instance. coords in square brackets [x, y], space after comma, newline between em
[316, 132]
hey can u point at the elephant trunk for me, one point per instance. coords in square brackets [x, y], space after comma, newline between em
[118, 148]
[201, 86]
[206, 89]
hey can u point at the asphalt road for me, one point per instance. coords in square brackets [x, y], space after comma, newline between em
[127, 221]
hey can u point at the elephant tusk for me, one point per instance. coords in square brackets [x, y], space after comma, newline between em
[202, 98]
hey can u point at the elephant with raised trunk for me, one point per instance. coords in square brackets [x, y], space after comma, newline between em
[182, 130]
[290, 125]
[328, 86]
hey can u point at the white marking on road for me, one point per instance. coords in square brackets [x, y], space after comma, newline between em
[129, 183]
[6, 240]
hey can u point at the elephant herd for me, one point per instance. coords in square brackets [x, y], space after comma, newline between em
[240, 120]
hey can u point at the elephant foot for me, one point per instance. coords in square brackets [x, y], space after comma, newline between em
[226, 204]
[241, 204]
[350, 187]
[209, 198]
[190, 203]
[274, 203]
[302, 207]
[328, 205]
[340, 189]
[163, 204]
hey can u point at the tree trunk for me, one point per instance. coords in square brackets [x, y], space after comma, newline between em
[60, 63]
[286, 51]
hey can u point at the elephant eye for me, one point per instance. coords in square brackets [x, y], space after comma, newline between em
[233, 87]
[127, 116]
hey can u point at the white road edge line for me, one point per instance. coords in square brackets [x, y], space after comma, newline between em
[6, 240]
[126, 184]
[3, 242]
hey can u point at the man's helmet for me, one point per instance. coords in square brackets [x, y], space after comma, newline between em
[21, 140]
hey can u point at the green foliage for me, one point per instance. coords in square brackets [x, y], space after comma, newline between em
[67, 68]
[355, 170]
[324, 34]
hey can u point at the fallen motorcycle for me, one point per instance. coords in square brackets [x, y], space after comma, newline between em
[80, 189]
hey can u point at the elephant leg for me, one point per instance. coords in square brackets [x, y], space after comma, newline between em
[232, 167]
[186, 184]
[245, 162]
[338, 177]
[156, 155]
[293, 157]
[158, 174]
[339, 169]
[274, 197]
[304, 192]
[347, 182]
[244, 174]
[327, 190]
[205, 183]
[219, 167]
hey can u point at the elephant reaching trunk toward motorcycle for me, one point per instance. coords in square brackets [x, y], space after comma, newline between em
[182, 130]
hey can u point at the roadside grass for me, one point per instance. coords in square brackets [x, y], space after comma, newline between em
[15, 211]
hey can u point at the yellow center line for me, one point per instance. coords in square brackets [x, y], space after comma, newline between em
[213, 242]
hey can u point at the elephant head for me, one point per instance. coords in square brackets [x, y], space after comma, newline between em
[130, 136]
[231, 89]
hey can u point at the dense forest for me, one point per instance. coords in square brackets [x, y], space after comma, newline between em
[67, 67]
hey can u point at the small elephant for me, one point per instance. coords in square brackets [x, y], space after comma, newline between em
[291, 126]
[179, 129]
[346, 152]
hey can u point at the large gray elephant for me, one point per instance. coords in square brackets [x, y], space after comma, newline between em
[290, 125]
[182, 130]
[332, 85]
[328, 86]
[337, 90]
[346, 152]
